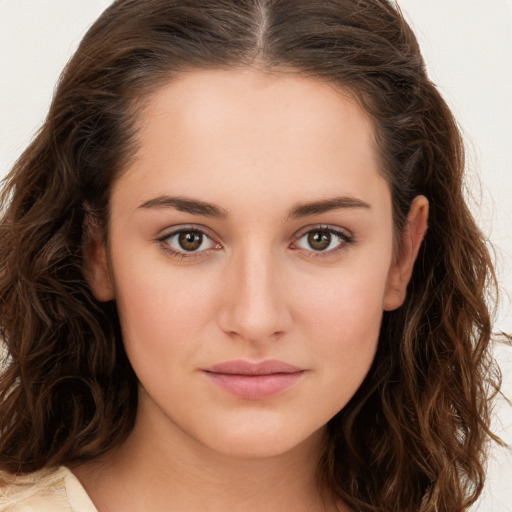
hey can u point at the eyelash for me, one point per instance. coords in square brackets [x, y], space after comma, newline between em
[344, 238]
[164, 243]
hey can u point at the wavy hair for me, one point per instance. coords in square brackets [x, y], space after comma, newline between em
[413, 437]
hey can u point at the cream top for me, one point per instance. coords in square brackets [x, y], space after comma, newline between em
[45, 491]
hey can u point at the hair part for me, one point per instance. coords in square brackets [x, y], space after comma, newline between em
[413, 437]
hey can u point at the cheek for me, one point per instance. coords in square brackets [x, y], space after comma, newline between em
[158, 306]
[342, 318]
[349, 302]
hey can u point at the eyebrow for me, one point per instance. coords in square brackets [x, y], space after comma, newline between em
[183, 204]
[326, 205]
[197, 207]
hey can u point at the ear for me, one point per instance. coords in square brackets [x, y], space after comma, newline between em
[401, 270]
[95, 262]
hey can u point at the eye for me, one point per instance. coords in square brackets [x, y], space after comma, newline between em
[323, 240]
[186, 242]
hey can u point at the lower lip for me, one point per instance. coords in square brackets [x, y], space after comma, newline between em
[255, 387]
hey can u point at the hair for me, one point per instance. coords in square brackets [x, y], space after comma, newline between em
[413, 437]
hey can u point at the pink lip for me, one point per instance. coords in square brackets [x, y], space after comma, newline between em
[254, 380]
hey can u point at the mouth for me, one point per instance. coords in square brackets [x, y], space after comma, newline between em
[254, 380]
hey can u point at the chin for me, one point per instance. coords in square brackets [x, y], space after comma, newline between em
[265, 442]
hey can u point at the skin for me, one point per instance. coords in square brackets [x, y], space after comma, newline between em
[256, 146]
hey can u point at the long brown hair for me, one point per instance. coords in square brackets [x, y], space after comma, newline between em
[413, 437]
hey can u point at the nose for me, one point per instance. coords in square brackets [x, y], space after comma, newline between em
[254, 300]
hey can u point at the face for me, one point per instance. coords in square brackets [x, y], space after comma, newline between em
[251, 258]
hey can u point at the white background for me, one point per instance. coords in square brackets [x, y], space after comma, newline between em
[468, 48]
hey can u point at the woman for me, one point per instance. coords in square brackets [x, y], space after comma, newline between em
[218, 288]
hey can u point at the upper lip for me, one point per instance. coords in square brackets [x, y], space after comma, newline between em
[243, 367]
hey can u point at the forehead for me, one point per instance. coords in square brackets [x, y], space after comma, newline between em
[230, 132]
[247, 98]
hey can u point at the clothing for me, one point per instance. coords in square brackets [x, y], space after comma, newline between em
[45, 491]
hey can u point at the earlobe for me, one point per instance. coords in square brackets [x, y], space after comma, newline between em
[401, 270]
[95, 263]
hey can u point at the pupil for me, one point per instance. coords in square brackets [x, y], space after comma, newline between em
[190, 240]
[319, 240]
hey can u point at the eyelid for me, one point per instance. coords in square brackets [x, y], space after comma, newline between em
[178, 228]
[182, 254]
[343, 233]
[324, 227]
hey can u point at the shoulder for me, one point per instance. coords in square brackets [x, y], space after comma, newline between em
[43, 491]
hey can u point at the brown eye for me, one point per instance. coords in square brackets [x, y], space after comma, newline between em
[324, 240]
[190, 240]
[319, 240]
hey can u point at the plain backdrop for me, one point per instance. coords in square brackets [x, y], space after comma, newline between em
[467, 45]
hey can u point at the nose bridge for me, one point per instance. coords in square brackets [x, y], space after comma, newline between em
[255, 306]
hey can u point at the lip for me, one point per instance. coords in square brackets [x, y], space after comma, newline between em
[254, 380]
